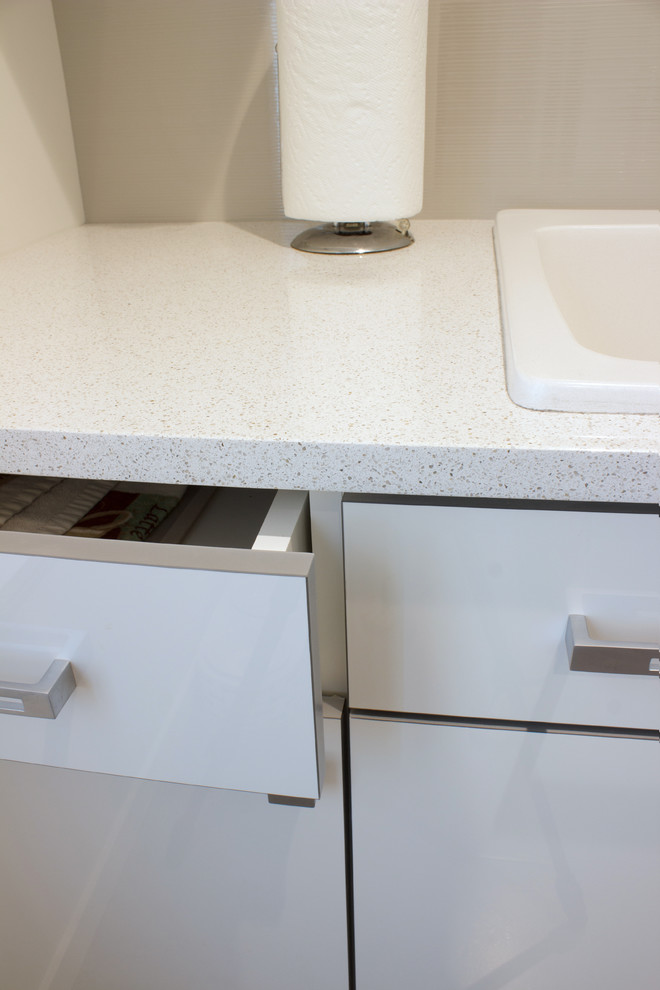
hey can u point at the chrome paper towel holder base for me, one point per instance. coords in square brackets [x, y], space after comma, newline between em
[354, 238]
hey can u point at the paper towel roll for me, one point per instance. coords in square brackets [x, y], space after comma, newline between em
[352, 81]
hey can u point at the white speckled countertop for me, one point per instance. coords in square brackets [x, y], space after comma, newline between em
[212, 353]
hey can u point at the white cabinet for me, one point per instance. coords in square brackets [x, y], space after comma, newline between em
[506, 808]
[113, 883]
[134, 854]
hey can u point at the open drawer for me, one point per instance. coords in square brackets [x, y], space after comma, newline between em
[194, 663]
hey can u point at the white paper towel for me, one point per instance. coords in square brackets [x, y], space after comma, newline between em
[352, 81]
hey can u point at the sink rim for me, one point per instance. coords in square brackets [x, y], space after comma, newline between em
[570, 377]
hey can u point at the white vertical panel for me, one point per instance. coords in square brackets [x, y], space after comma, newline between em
[325, 509]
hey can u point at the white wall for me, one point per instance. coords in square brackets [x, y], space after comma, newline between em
[173, 103]
[39, 189]
[530, 103]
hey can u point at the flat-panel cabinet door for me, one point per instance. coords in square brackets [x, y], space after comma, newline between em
[486, 858]
[112, 883]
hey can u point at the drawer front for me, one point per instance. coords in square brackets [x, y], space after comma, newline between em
[493, 859]
[202, 672]
[463, 611]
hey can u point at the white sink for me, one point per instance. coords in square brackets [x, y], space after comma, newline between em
[580, 297]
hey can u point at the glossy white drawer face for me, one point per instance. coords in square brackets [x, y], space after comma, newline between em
[192, 664]
[519, 860]
[463, 610]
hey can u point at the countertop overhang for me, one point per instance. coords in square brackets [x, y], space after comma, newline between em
[214, 354]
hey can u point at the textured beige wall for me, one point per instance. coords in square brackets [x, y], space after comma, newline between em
[530, 103]
[542, 103]
[39, 189]
[174, 107]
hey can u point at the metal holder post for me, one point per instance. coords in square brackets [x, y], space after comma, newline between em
[354, 238]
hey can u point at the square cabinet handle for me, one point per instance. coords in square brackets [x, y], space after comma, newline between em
[601, 656]
[45, 699]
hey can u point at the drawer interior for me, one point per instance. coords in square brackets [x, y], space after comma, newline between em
[248, 518]
[238, 518]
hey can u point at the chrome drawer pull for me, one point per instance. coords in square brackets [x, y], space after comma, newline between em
[44, 699]
[602, 657]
